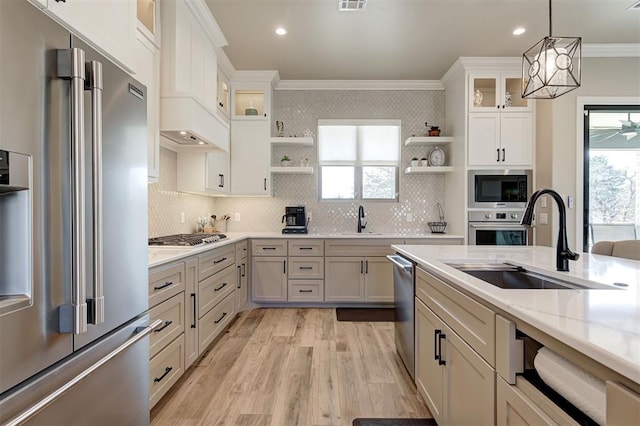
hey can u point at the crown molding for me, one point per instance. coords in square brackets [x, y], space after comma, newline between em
[359, 85]
[257, 76]
[453, 73]
[202, 14]
[611, 50]
[224, 64]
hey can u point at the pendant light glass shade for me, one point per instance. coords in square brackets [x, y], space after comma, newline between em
[552, 67]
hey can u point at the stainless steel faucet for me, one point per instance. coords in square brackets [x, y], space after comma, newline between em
[563, 253]
[362, 223]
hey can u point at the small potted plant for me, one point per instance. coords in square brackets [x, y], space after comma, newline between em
[424, 162]
[286, 161]
[415, 162]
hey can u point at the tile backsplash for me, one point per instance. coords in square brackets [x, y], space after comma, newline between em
[166, 204]
[300, 110]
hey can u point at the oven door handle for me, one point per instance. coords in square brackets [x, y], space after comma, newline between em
[496, 226]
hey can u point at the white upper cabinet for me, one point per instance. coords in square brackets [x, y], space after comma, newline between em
[496, 91]
[251, 100]
[204, 173]
[148, 12]
[497, 139]
[108, 25]
[148, 73]
[250, 158]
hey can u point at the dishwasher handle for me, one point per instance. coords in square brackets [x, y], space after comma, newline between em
[401, 262]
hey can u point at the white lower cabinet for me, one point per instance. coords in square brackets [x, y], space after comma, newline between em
[242, 289]
[456, 383]
[191, 313]
[269, 278]
[358, 279]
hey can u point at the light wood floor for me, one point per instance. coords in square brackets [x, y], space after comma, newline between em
[286, 367]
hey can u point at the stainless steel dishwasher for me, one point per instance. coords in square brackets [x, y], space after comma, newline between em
[403, 293]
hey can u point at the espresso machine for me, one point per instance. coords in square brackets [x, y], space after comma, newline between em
[295, 219]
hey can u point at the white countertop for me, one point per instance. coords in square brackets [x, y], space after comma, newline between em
[159, 255]
[604, 324]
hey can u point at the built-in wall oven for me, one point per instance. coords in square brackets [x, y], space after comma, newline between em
[499, 189]
[498, 228]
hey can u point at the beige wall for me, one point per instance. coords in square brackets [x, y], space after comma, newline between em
[557, 132]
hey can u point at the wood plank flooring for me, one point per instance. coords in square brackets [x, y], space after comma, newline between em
[289, 366]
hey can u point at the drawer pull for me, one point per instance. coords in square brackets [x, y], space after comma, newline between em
[218, 261]
[268, 248]
[166, 371]
[221, 287]
[305, 291]
[166, 324]
[165, 285]
[306, 248]
[306, 268]
[224, 314]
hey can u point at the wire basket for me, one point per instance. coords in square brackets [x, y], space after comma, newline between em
[437, 227]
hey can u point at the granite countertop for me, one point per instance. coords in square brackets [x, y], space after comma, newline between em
[161, 255]
[602, 323]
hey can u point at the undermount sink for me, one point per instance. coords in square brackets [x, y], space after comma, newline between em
[512, 277]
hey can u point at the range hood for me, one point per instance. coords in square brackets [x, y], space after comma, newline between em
[189, 124]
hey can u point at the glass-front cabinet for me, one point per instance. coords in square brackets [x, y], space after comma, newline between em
[497, 91]
[223, 94]
[251, 101]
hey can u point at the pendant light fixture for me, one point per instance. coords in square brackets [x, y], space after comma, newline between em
[551, 68]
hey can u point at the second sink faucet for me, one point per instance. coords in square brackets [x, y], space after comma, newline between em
[563, 253]
[362, 223]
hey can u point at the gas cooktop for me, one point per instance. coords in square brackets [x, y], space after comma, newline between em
[186, 240]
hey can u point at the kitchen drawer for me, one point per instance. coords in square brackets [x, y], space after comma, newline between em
[215, 288]
[304, 247]
[306, 267]
[214, 321]
[472, 321]
[306, 290]
[269, 247]
[360, 247]
[215, 260]
[165, 369]
[165, 282]
[241, 250]
[171, 312]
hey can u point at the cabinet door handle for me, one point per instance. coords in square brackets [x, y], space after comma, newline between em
[244, 269]
[361, 266]
[498, 152]
[366, 266]
[218, 261]
[221, 181]
[503, 154]
[239, 276]
[265, 184]
[306, 268]
[436, 356]
[441, 337]
[284, 268]
[166, 284]
[224, 314]
[165, 325]
[167, 370]
[221, 287]
[195, 313]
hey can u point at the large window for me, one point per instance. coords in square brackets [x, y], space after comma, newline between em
[359, 159]
[611, 173]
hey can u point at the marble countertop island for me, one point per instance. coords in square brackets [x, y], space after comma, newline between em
[603, 322]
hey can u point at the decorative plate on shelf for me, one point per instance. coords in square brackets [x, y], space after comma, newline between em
[436, 157]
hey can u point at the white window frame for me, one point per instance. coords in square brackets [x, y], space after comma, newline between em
[358, 167]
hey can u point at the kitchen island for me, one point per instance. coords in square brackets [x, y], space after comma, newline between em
[597, 328]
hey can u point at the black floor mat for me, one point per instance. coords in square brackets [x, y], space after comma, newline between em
[394, 422]
[365, 314]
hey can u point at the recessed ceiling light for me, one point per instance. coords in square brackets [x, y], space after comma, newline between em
[182, 132]
[519, 31]
[281, 31]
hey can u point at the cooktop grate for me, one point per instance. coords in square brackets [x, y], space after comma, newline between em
[187, 240]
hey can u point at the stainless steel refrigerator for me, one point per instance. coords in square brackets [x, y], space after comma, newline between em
[73, 233]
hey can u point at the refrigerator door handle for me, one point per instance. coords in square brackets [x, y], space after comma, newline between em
[141, 333]
[71, 66]
[94, 84]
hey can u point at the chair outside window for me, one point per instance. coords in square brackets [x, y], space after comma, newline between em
[612, 232]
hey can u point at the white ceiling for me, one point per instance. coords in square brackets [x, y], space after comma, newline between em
[404, 39]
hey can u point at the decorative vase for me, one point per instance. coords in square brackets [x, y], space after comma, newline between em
[477, 98]
[415, 163]
[507, 99]
[285, 163]
[279, 129]
[424, 162]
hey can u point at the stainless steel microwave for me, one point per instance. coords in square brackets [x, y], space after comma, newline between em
[499, 188]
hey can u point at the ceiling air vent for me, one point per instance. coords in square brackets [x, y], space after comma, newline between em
[635, 6]
[351, 5]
